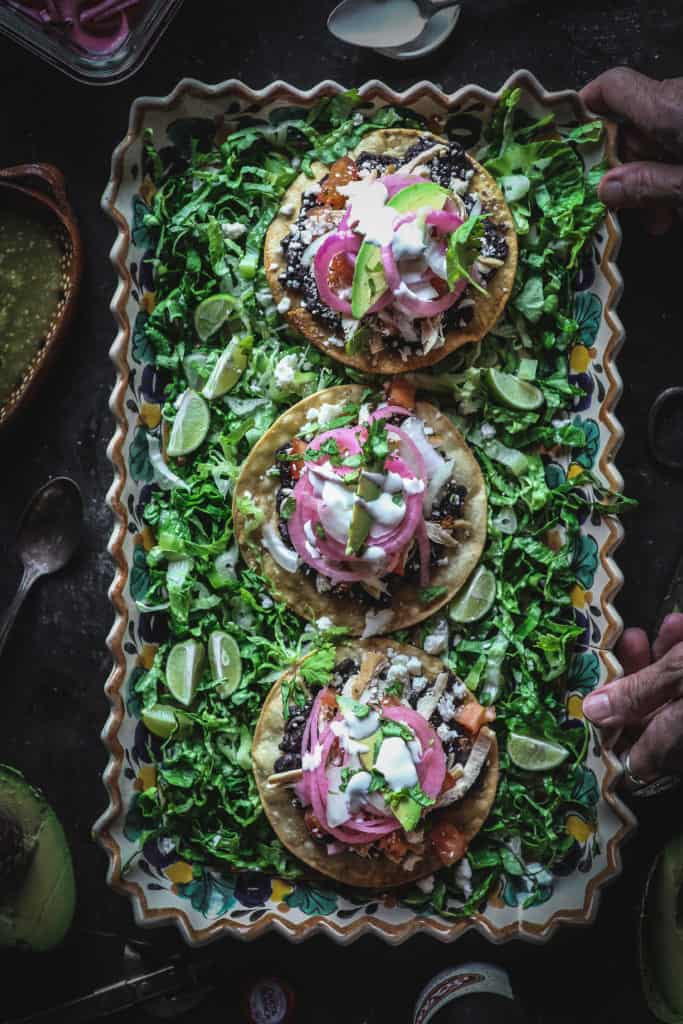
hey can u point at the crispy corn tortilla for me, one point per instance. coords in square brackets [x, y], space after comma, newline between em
[299, 591]
[487, 308]
[468, 815]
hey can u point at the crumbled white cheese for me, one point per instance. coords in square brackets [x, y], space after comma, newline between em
[274, 266]
[377, 622]
[285, 369]
[436, 642]
[418, 684]
[396, 674]
[324, 622]
[337, 342]
[487, 431]
[233, 229]
[446, 707]
[284, 304]
[426, 885]
[322, 584]
[445, 734]
[266, 601]
[414, 666]
[287, 209]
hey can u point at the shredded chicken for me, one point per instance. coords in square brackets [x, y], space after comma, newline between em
[475, 763]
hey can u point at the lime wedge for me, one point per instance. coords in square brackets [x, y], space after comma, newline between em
[230, 366]
[161, 720]
[476, 598]
[190, 426]
[225, 662]
[193, 365]
[535, 755]
[183, 670]
[211, 314]
[513, 392]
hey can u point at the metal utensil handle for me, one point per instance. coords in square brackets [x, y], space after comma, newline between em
[48, 173]
[29, 577]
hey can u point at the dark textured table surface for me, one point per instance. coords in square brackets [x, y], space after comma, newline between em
[56, 662]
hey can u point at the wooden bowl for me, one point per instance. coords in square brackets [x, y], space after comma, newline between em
[51, 205]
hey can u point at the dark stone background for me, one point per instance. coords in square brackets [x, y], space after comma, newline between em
[54, 667]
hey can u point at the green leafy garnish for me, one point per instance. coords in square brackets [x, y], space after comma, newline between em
[464, 245]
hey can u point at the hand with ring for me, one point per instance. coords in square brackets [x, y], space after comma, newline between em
[650, 115]
[646, 705]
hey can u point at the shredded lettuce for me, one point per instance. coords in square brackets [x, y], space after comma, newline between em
[209, 212]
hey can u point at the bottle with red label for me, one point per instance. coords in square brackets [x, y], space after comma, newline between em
[469, 994]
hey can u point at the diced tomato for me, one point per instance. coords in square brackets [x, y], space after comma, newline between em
[472, 716]
[328, 702]
[313, 825]
[297, 447]
[449, 844]
[340, 274]
[394, 847]
[447, 783]
[401, 392]
[342, 172]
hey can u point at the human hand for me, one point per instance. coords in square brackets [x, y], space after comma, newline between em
[648, 701]
[651, 142]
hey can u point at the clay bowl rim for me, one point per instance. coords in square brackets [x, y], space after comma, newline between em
[55, 201]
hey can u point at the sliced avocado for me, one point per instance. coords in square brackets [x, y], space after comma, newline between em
[37, 886]
[408, 812]
[369, 281]
[361, 520]
[367, 757]
[661, 939]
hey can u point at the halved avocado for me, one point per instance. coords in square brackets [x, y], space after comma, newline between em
[369, 281]
[37, 886]
[661, 935]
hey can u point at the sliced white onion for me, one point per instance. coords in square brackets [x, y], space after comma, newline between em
[163, 476]
[437, 482]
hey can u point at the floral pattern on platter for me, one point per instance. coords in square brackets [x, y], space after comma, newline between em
[204, 903]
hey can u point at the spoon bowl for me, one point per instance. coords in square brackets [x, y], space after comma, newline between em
[49, 533]
[383, 23]
[51, 526]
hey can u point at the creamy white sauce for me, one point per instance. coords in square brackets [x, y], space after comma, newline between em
[357, 790]
[395, 763]
[408, 241]
[337, 809]
[373, 553]
[313, 759]
[273, 543]
[361, 728]
[369, 215]
[385, 511]
[336, 510]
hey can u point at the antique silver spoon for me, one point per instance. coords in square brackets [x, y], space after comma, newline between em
[49, 533]
[383, 23]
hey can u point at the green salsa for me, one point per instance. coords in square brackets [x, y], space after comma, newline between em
[30, 291]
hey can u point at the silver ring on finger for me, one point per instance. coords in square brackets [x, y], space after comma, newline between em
[640, 787]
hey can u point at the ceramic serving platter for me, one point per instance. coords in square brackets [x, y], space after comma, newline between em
[163, 888]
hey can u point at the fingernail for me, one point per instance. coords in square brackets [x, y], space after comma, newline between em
[611, 192]
[597, 707]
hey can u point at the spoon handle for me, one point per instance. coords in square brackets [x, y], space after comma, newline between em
[29, 577]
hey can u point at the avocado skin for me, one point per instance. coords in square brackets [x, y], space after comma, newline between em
[662, 935]
[37, 902]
